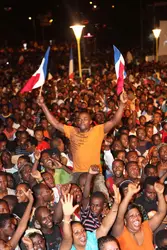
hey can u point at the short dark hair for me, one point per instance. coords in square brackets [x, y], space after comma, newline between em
[3, 219]
[3, 174]
[33, 141]
[150, 180]
[160, 236]
[105, 239]
[99, 195]
[25, 157]
[39, 128]
[148, 166]
[132, 206]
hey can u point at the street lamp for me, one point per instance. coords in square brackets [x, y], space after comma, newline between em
[156, 33]
[77, 29]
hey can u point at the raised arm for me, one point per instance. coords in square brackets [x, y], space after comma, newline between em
[119, 223]
[93, 170]
[23, 223]
[68, 210]
[109, 220]
[157, 219]
[51, 119]
[117, 117]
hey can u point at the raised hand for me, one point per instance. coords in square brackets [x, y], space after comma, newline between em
[117, 196]
[29, 195]
[28, 243]
[159, 188]
[123, 97]
[37, 155]
[56, 163]
[36, 175]
[133, 189]
[67, 205]
[94, 169]
[40, 100]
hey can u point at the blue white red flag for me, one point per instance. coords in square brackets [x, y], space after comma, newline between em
[119, 69]
[38, 78]
[71, 66]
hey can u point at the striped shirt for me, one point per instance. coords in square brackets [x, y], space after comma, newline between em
[88, 220]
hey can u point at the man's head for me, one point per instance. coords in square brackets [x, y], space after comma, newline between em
[43, 217]
[26, 173]
[42, 193]
[38, 134]
[3, 182]
[4, 208]
[12, 201]
[108, 243]
[141, 134]
[7, 227]
[124, 140]
[118, 168]
[84, 122]
[150, 170]
[133, 142]
[21, 189]
[133, 170]
[163, 152]
[149, 190]
[97, 203]
[161, 239]
[48, 179]
[38, 241]
[132, 156]
[156, 139]
[76, 192]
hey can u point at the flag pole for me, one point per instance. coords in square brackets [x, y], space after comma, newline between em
[40, 91]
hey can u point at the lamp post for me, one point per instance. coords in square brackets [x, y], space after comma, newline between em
[156, 33]
[77, 29]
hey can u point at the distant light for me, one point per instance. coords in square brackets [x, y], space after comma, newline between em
[94, 6]
[30, 18]
[25, 46]
[50, 42]
[51, 20]
[90, 2]
[7, 63]
[113, 6]
[88, 35]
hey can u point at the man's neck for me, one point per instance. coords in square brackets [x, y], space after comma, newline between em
[40, 203]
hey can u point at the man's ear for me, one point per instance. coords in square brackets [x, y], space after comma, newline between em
[37, 225]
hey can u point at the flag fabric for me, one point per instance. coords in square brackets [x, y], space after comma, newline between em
[38, 78]
[119, 69]
[71, 66]
[21, 60]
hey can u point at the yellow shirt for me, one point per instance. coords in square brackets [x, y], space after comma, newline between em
[85, 147]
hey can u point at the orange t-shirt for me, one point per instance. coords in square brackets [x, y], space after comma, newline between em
[85, 147]
[127, 242]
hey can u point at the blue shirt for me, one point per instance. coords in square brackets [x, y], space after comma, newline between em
[91, 241]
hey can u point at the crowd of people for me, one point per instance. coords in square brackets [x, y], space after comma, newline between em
[81, 167]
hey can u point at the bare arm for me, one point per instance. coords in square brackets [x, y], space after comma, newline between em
[51, 119]
[94, 170]
[23, 223]
[68, 210]
[117, 117]
[119, 223]
[163, 178]
[109, 220]
[157, 219]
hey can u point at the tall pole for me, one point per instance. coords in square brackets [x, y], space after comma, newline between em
[78, 32]
[156, 39]
[79, 58]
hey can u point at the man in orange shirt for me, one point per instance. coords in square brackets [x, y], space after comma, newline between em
[85, 140]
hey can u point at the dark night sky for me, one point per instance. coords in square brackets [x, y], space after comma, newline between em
[123, 23]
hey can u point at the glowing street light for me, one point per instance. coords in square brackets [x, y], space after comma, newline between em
[30, 18]
[51, 21]
[156, 33]
[90, 3]
[77, 29]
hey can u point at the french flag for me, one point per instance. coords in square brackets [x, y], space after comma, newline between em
[119, 69]
[38, 78]
[71, 66]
